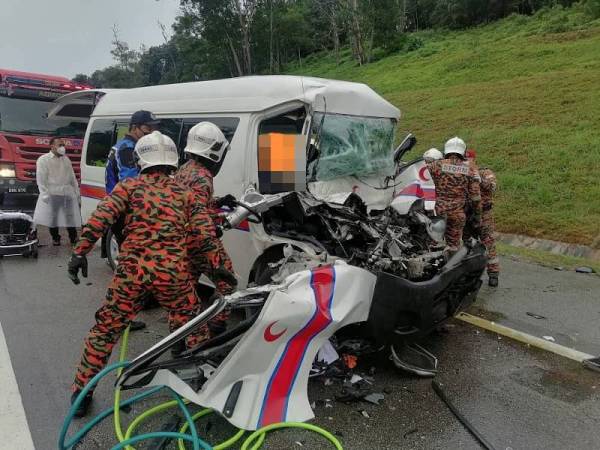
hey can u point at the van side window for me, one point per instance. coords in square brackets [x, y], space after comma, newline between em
[228, 126]
[169, 127]
[101, 140]
[282, 153]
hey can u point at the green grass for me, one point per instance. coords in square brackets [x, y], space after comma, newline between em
[546, 258]
[524, 92]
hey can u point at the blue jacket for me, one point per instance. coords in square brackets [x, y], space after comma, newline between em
[121, 163]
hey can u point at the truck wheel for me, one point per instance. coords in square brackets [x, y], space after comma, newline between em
[112, 250]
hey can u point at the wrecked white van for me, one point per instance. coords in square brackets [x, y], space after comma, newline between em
[270, 122]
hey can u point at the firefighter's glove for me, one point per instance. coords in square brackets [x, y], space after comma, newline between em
[227, 200]
[76, 263]
[225, 276]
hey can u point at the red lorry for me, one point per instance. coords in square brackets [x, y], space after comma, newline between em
[25, 131]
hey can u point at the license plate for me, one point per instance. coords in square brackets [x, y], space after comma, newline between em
[17, 190]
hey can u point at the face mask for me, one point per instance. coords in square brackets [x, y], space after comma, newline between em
[61, 150]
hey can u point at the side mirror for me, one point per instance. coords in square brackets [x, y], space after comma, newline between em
[409, 142]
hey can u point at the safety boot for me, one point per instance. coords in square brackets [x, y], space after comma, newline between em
[136, 325]
[493, 279]
[84, 406]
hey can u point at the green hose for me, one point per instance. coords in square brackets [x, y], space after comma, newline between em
[261, 433]
[126, 440]
[223, 445]
[123, 441]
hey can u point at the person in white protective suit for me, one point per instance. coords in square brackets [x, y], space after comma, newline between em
[58, 203]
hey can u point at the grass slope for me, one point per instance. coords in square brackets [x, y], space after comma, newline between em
[525, 93]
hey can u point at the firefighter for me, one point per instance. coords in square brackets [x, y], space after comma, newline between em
[488, 185]
[206, 150]
[158, 213]
[456, 184]
[433, 154]
[121, 165]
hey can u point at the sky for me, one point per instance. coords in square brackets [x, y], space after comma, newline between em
[66, 37]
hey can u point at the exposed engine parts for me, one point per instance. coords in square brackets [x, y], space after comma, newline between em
[379, 241]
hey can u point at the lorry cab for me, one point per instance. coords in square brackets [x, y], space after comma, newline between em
[26, 128]
[287, 133]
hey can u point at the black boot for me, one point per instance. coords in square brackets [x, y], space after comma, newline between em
[493, 279]
[84, 406]
[136, 325]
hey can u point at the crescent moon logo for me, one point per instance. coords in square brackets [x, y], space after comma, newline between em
[270, 336]
[422, 174]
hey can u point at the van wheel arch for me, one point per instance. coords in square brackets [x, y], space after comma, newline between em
[260, 272]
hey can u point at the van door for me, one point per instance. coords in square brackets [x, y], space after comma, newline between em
[77, 106]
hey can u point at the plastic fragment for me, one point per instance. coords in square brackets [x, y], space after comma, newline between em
[374, 398]
[535, 316]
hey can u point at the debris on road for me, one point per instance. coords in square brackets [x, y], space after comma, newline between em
[560, 268]
[350, 360]
[355, 379]
[549, 338]
[327, 353]
[592, 363]
[414, 359]
[584, 269]
[409, 432]
[535, 316]
[365, 414]
[374, 398]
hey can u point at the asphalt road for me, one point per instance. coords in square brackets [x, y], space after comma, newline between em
[518, 398]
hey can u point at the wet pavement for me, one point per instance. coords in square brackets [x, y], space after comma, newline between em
[562, 304]
[517, 397]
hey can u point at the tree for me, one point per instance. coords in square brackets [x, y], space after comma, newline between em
[83, 79]
[245, 10]
[123, 55]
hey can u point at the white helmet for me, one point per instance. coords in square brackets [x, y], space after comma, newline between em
[455, 145]
[156, 149]
[432, 154]
[205, 139]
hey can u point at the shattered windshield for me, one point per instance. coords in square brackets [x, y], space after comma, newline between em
[350, 145]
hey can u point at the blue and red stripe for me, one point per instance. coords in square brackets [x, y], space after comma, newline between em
[282, 380]
[416, 190]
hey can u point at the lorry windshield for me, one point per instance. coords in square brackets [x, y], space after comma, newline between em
[27, 116]
[350, 146]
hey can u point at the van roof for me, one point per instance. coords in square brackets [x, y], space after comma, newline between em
[248, 94]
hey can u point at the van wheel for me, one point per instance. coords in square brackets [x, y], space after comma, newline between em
[112, 250]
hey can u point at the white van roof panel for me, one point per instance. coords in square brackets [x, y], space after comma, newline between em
[248, 94]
